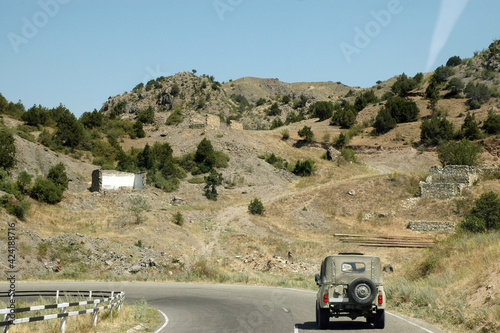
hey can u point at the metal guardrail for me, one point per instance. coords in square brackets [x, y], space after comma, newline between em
[95, 298]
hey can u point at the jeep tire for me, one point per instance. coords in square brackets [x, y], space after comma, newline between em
[380, 319]
[322, 317]
[362, 291]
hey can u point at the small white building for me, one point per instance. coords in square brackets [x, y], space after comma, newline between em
[114, 180]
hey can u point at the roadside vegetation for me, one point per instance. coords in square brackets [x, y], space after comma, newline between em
[130, 316]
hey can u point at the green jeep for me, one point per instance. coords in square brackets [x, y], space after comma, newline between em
[350, 284]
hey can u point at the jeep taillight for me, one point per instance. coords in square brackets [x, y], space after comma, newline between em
[380, 299]
[325, 298]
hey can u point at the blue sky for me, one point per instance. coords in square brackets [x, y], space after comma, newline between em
[79, 52]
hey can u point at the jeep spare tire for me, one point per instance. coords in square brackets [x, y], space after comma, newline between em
[362, 291]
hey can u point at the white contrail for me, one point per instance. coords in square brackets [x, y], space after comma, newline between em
[449, 14]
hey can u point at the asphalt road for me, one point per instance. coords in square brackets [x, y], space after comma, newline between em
[230, 308]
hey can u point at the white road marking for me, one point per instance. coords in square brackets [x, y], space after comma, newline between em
[295, 330]
[164, 325]
[409, 322]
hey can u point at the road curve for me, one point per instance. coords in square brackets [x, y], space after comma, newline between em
[229, 308]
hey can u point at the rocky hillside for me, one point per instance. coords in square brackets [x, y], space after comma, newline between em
[370, 189]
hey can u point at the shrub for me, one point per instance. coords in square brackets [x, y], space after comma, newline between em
[23, 182]
[175, 117]
[175, 89]
[137, 206]
[463, 152]
[478, 94]
[402, 110]
[285, 134]
[57, 174]
[384, 121]
[7, 150]
[304, 169]
[213, 180]
[442, 73]
[348, 155]
[322, 110]
[492, 124]
[44, 190]
[364, 99]
[456, 85]
[276, 123]
[453, 61]
[470, 128]
[137, 130]
[178, 219]
[146, 116]
[274, 110]
[484, 215]
[307, 134]
[345, 117]
[404, 84]
[436, 130]
[256, 207]
[260, 101]
[276, 161]
[342, 140]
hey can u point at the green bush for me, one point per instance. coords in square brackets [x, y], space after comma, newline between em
[436, 130]
[57, 174]
[453, 61]
[484, 215]
[384, 122]
[23, 182]
[345, 116]
[146, 116]
[348, 155]
[442, 73]
[276, 161]
[276, 123]
[322, 110]
[256, 207]
[213, 180]
[463, 152]
[304, 169]
[285, 134]
[470, 128]
[402, 110]
[364, 99]
[137, 130]
[405, 84]
[274, 110]
[492, 124]
[307, 134]
[7, 150]
[178, 219]
[175, 117]
[44, 190]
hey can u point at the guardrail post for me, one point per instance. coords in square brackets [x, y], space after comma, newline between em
[6, 328]
[120, 301]
[57, 296]
[63, 321]
[111, 304]
[90, 294]
[94, 315]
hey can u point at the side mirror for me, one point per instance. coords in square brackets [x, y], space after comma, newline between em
[317, 279]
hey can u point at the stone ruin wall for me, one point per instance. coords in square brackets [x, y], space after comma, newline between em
[425, 226]
[236, 125]
[448, 181]
[213, 121]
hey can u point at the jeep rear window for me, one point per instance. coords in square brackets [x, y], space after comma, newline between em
[353, 267]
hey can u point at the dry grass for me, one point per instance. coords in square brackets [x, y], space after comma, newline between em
[128, 317]
[455, 284]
